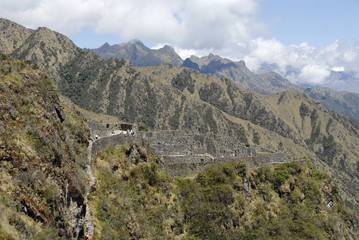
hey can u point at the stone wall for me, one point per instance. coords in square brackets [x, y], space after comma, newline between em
[109, 129]
[182, 153]
[114, 140]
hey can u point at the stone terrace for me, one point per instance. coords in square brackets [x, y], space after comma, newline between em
[182, 153]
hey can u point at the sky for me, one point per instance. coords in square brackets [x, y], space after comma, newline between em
[312, 42]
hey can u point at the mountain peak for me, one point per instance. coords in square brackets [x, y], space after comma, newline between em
[139, 54]
[135, 42]
[188, 63]
[12, 35]
[106, 45]
[167, 47]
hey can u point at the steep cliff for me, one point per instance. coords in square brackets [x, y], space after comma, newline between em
[42, 157]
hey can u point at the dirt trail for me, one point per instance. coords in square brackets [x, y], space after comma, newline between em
[88, 224]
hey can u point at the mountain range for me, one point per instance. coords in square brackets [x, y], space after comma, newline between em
[266, 83]
[208, 95]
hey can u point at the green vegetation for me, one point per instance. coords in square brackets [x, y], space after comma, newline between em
[174, 120]
[256, 138]
[151, 104]
[303, 110]
[131, 199]
[143, 128]
[184, 80]
[225, 201]
[209, 121]
[330, 149]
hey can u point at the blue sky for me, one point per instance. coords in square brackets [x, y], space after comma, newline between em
[317, 22]
[315, 37]
[86, 37]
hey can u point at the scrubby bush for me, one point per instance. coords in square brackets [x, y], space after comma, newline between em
[215, 204]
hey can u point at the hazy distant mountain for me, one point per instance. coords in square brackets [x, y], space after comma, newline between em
[343, 102]
[271, 83]
[267, 83]
[140, 55]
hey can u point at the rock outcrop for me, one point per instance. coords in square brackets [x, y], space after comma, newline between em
[42, 152]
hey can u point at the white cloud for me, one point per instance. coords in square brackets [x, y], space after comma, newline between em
[63, 16]
[230, 28]
[338, 69]
[314, 74]
[312, 64]
[197, 24]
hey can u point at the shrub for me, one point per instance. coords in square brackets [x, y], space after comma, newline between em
[143, 128]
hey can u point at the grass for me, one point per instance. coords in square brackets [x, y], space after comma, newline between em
[138, 199]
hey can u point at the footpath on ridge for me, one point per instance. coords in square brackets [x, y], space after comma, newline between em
[88, 223]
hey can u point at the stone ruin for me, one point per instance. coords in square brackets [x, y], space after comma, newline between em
[180, 152]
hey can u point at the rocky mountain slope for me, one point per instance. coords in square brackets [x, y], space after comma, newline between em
[12, 35]
[49, 49]
[42, 157]
[140, 55]
[166, 97]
